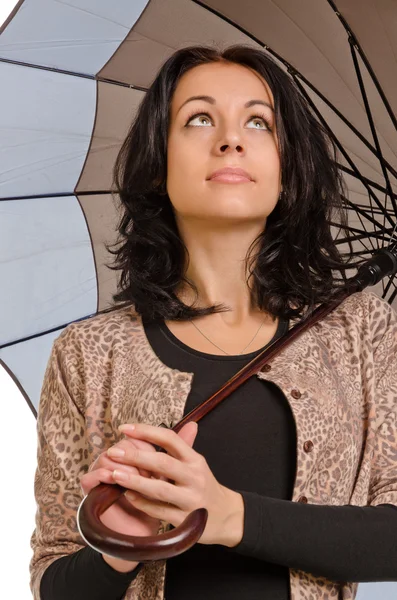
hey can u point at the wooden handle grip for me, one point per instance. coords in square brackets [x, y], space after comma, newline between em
[131, 547]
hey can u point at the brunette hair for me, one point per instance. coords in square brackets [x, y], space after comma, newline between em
[292, 265]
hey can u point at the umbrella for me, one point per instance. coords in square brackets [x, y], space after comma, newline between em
[73, 73]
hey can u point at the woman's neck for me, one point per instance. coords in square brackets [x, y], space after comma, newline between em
[217, 267]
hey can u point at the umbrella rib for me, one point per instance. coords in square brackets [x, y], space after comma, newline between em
[394, 294]
[393, 236]
[354, 238]
[375, 185]
[363, 212]
[365, 208]
[371, 122]
[355, 46]
[345, 121]
[368, 253]
[368, 234]
[46, 332]
[389, 284]
[22, 63]
[58, 195]
[53, 329]
[366, 231]
[340, 146]
[382, 235]
[20, 387]
[366, 63]
[372, 208]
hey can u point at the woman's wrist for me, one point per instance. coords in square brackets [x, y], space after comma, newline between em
[233, 525]
[122, 566]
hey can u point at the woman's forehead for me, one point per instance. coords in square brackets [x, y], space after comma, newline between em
[222, 81]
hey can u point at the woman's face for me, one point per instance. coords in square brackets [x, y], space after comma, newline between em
[228, 135]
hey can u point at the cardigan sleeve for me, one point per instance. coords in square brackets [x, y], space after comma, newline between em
[62, 457]
[383, 478]
[85, 574]
[62, 565]
[341, 543]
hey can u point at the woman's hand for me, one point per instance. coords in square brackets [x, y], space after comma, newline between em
[122, 516]
[185, 482]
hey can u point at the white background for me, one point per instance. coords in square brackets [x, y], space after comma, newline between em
[6, 7]
[17, 504]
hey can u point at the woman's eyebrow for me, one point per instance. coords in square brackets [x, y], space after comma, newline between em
[212, 100]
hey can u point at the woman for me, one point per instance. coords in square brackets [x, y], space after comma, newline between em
[297, 468]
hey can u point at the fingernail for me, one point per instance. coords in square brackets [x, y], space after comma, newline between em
[120, 475]
[127, 427]
[119, 452]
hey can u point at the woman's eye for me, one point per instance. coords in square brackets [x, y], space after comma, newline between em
[197, 116]
[260, 119]
[207, 118]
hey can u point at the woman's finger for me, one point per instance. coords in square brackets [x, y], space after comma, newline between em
[155, 509]
[94, 478]
[156, 463]
[108, 463]
[131, 446]
[153, 489]
[101, 475]
[141, 444]
[160, 436]
[100, 471]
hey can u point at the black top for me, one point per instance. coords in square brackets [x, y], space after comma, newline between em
[249, 442]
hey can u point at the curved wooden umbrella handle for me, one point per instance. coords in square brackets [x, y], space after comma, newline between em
[131, 547]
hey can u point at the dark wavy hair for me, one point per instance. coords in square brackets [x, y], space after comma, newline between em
[292, 265]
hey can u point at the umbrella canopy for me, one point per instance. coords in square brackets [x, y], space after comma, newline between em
[73, 74]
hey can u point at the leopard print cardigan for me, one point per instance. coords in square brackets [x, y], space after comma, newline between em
[339, 377]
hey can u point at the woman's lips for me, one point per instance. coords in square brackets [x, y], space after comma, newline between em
[230, 178]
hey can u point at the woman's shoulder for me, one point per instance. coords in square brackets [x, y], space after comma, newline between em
[369, 306]
[108, 326]
[374, 322]
[363, 319]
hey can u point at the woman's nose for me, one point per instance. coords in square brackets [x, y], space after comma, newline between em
[224, 147]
